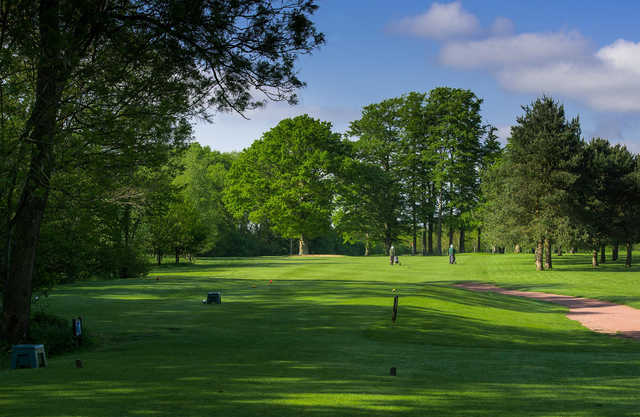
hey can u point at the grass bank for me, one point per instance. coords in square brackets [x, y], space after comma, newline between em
[318, 340]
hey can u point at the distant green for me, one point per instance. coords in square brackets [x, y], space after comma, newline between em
[318, 341]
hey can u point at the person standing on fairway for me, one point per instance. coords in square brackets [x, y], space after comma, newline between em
[452, 254]
[392, 254]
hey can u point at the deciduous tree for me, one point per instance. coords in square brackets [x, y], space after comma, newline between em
[101, 67]
[287, 178]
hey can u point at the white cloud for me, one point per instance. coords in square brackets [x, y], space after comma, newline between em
[558, 63]
[594, 80]
[517, 50]
[441, 21]
[622, 55]
[502, 27]
[563, 64]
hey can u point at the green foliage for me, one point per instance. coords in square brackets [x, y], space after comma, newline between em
[373, 201]
[55, 333]
[624, 195]
[549, 185]
[202, 184]
[286, 179]
[418, 159]
[602, 185]
[500, 212]
[457, 148]
[530, 189]
[110, 86]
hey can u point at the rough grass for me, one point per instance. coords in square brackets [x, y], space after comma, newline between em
[318, 341]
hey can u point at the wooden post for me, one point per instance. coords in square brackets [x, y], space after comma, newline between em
[395, 309]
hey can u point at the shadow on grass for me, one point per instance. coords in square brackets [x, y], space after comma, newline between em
[481, 299]
[582, 263]
[429, 314]
[324, 348]
[214, 264]
[272, 388]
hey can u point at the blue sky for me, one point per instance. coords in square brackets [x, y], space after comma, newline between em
[585, 54]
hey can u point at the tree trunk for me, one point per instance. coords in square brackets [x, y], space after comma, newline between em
[547, 254]
[367, 245]
[126, 231]
[159, 258]
[424, 239]
[35, 193]
[539, 255]
[450, 236]
[478, 242]
[414, 242]
[627, 263]
[303, 246]
[126, 225]
[18, 286]
[614, 251]
[439, 235]
[177, 255]
[430, 236]
[594, 258]
[517, 248]
[559, 250]
[603, 256]
[414, 229]
[461, 245]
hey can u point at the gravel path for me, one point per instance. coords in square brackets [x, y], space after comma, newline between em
[599, 316]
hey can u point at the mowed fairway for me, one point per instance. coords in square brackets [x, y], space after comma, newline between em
[318, 341]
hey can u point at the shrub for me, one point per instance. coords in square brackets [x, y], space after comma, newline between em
[53, 332]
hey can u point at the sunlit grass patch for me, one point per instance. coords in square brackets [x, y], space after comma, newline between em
[313, 336]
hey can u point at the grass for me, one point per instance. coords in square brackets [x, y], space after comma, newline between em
[318, 341]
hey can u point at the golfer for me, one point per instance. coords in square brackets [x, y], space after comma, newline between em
[452, 254]
[392, 254]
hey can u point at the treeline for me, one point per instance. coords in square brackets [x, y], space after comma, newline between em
[553, 188]
[409, 170]
[420, 171]
[410, 167]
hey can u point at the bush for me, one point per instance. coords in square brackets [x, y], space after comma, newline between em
[53, 332]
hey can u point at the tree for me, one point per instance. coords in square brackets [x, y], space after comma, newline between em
[286, 179]
[624, 191]
[457, 152]
[417, 160]
[489, 174]
[202, 184]
[541, 163]
[502, 218]
[378, 152]
[417, 163]
[361, 209]
[597, 192]
[110, 75]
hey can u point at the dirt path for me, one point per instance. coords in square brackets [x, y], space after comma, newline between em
[599, 316]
